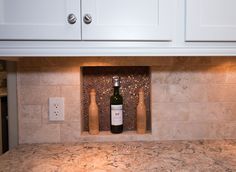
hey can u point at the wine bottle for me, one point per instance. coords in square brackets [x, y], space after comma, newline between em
[116, 108]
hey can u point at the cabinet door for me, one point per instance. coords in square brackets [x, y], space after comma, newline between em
[211, 20]
[39, 19]
[127, 19]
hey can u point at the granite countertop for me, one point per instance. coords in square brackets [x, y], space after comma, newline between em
[215, 156]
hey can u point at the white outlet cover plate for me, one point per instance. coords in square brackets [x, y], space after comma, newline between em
[56, 109]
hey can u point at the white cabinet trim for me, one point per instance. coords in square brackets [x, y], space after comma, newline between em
[86, 48]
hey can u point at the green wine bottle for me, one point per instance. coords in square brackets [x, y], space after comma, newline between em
[116, 108]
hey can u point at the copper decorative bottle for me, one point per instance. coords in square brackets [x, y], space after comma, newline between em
[93, 114]
[141, 114]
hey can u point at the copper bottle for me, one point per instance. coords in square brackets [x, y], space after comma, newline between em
[93, 114]
[141, 114]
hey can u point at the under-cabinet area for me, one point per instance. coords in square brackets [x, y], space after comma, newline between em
[117, 28]
[189, 98]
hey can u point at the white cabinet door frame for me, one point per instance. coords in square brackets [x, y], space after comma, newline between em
[128, 20]
[39, 20]
[210, 20]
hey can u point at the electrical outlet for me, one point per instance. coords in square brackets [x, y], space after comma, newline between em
[56, 109]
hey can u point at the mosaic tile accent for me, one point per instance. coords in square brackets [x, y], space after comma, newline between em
[100, 78]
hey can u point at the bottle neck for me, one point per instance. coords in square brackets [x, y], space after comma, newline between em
[141, 98]
[116, 91]
[93, 99]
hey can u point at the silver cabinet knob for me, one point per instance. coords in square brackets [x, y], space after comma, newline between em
[71, 18]
[87, 19]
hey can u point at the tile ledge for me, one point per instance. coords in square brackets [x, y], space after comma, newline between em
[108, 136]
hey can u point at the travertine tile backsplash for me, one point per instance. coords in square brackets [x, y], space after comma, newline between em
[192, 97]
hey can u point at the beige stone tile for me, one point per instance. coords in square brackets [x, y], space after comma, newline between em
[159, 74]
[45, 112]
[171, 111]
[216, 130]
[60, 76]
[230, 93]
[221, 92]
[70, 131]
[36, 95]
[59, 62]
[229, 130]
[216, 93]
[231, 73]
[29, 62]
[30, 95]
[30, 114]
[189, 74]
[29, 76]
[219, 60]
[223, 130]
[221, 112]
[180, 61]
[33, 133]
[180, 74]
[71, 94]
[183, 130]
[179, 93]
[170, 75]
[216, 74]
[212, 112]
[186, 93]
[154, 119]
[198, 112]
[49, 91]
[72, 112]
[159, 93]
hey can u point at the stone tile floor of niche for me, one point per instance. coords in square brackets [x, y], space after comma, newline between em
[199, 156]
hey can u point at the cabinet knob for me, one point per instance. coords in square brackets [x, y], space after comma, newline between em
[87, 19]
[71, 18]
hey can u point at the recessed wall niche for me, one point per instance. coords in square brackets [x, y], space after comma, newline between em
[100, 78]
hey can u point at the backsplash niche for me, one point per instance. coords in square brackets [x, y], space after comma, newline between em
[100, 78]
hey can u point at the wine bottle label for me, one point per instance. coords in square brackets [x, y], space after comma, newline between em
[116, 114]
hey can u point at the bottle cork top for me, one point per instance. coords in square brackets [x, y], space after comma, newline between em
[116, 81]
[141, 91]
[92, 91]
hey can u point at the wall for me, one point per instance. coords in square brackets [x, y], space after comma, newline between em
[3, 78]
[192, 97]
[3, 92]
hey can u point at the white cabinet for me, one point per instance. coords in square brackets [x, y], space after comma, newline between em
[211, 20]
[128, 19]
[39, 20]
[118, 28]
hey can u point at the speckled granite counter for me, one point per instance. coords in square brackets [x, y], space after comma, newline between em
[215, 156]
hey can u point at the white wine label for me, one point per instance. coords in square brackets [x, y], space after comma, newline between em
[116, 114]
